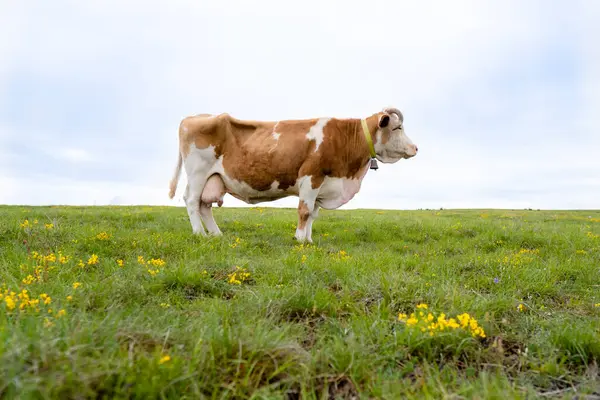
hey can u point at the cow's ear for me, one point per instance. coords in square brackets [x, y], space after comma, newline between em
[384, 120]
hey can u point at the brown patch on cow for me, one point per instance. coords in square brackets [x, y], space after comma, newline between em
[303, 214]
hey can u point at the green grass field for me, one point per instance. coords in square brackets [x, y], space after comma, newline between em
[505, 304]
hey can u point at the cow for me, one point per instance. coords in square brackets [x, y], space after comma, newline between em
[322, 161]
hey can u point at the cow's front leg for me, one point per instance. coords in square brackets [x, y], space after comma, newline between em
[306, 209]
[309, 223]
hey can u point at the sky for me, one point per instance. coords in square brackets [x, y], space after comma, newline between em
[501, 97]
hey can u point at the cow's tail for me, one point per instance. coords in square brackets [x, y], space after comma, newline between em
[175, 179]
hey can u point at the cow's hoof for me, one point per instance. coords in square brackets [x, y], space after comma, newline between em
[302, 239]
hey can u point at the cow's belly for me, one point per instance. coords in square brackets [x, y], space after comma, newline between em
[244, 192]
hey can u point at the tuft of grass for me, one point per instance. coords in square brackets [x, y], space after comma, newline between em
[124, 302]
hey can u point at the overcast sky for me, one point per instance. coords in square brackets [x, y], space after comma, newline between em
[502, 97]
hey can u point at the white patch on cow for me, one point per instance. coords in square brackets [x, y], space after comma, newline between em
[335, 192]
[276, 135]
[316, 132]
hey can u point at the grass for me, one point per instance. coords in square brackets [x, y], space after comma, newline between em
[296, 321]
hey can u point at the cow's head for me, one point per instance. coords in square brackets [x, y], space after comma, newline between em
[390, 142]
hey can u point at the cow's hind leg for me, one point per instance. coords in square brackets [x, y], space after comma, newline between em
[213, 192]
[192, 202]
[208, 219]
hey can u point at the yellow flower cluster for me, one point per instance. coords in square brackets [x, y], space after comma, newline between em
[46, 263]
[235, 244]
[524, 256]
[22, 301]
[49, 258]
[341, 255]
[120, 263]
[238, 276]
[581, 252]
[592, 235]
[26, 225]
[302, 247]
[156, 262]
[93, 260]
[103, 236]
[437, 324]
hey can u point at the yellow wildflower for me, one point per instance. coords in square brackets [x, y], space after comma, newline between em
[153, 271]
[25, 224]
[597, 305]
[47, 299]
[164, 359]
[140, 260]
[422, 305]
[69, 298]
[28, 280]
[520, 307]
[76, 285]
[93, 260]
[49, 226]
[412, 320]
[120, 263]
[10, 303]
[103, 236]
[304, 258]
[156, 262]
[62, 259]
[61, 313]
[81, 264]
[238, 276]
[165, 305]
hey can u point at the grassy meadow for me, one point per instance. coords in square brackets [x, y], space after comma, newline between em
[124, 302]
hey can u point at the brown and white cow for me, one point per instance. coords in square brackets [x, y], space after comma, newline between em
[322, 161]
